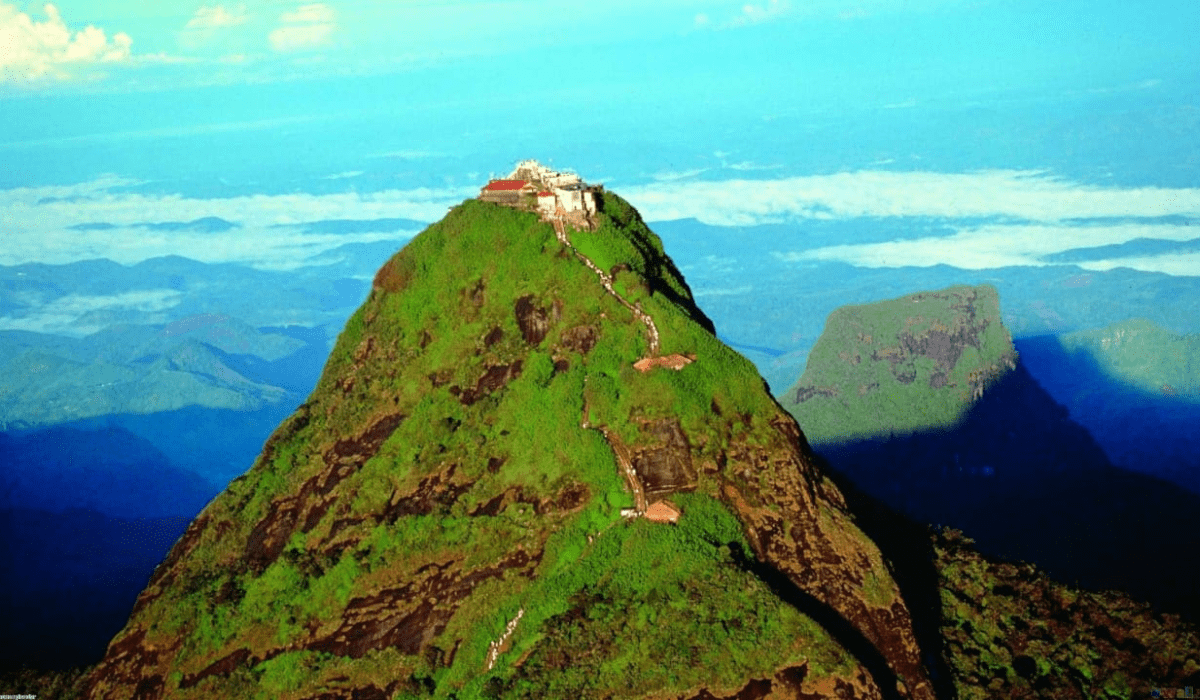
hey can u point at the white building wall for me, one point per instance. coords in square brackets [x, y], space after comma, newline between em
[562, 179]
[571, 200]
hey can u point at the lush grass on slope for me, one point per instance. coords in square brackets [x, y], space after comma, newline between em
[658, 607]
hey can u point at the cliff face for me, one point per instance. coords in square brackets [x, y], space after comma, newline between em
[454, 512]
[899, 366]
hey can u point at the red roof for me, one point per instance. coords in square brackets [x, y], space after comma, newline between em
[662, 512]
[504, 185]
[545, 194]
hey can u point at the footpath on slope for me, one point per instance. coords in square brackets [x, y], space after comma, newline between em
[621, 453]
[560, 230]
[619, 450]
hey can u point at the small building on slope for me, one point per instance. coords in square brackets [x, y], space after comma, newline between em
[675, 362]
[576, 197]
[662, 512]
[506, 191]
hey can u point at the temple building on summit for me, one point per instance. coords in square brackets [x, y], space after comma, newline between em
[550, 192]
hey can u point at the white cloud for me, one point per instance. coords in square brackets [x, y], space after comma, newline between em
[673, 175]
[747, 14]
[747, 165]
[209, 22]
[753, 14]
[344, 175]
[31, 50]
[216, 16]
[998, 245]
[69, 315]
[1026, 195]
[309, 26]
[1186, 264]
[269, 236]
[1032, 215]
[723, 291]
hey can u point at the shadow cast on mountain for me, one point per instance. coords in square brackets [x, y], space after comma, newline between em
[838, 627]
[659, 266]
[1027, 483]
[107, 469]
[74, 577]
[908, 547]
[1152, 432]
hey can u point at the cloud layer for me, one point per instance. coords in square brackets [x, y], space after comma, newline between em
[96, 219]
[48, 50]
[215, 16]
[1002, 246]
[1030, 215]
[79, 315]
[1015, 194]
[308, 26]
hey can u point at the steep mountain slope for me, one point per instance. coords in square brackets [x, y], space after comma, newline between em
[898, 366]
[462, 508]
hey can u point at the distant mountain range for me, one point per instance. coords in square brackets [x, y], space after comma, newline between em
[129, 397]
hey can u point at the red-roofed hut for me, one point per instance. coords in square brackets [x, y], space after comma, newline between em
[662, 512]
[505, 191]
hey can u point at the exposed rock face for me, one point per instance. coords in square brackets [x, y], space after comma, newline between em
[932, 353]
[442, 517]
[666, 466]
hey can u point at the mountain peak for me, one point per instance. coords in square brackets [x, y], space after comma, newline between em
[487, 496]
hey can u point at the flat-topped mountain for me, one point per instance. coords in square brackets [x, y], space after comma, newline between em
[898, 366]
[529, 469]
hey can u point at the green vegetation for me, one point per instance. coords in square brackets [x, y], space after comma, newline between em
[480, 350]
[655, 609]
[899, 366]
[1012, 632]
[1143, 355]
[67, 684]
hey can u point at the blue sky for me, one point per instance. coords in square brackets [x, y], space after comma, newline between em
[1023, 130]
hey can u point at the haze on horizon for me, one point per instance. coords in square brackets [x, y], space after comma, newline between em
[975, 134]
